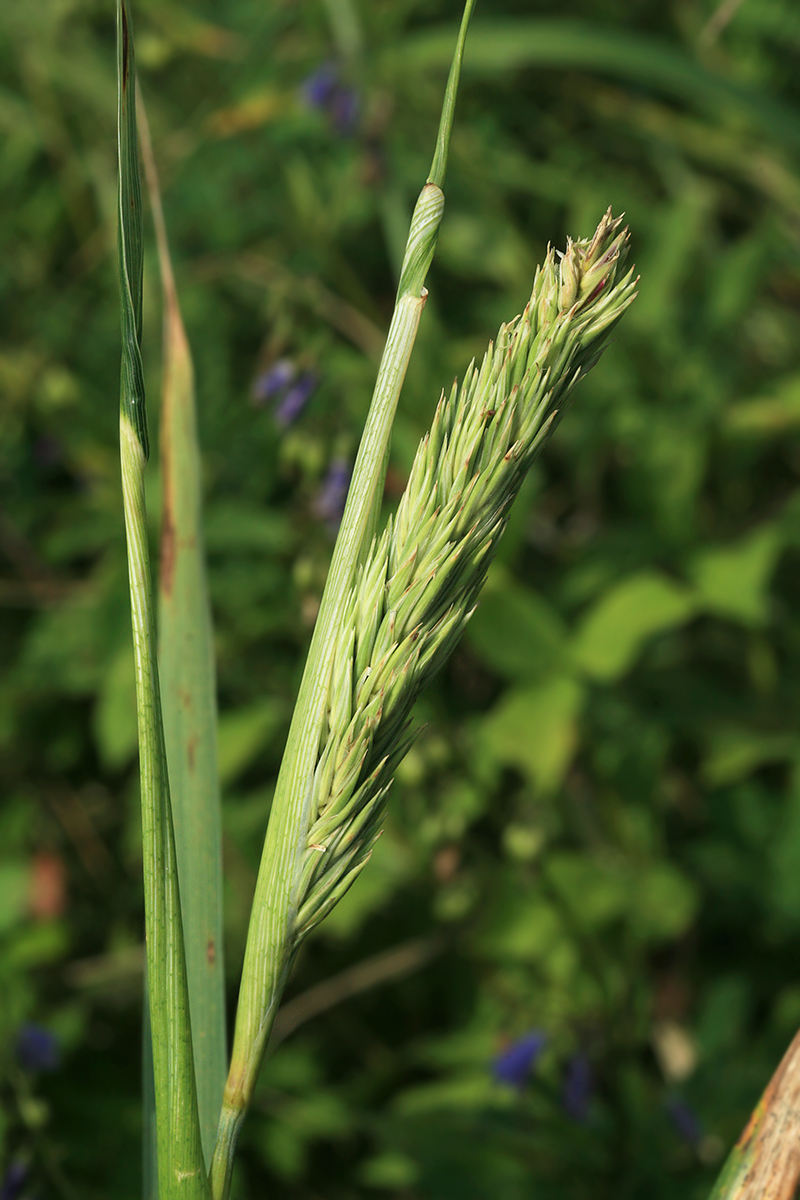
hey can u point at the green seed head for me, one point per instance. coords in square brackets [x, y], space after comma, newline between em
[420, 582]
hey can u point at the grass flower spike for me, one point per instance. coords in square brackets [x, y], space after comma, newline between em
[411, 594]
[419, 585]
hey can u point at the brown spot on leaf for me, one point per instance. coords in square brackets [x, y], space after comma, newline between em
[211, 952]
[125, 48]
[191, 747]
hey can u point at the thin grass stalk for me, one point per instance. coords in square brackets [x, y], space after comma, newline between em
[188, 683]
[271, 941]
[181, 1171]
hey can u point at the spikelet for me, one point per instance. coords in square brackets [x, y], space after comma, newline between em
[420, 582]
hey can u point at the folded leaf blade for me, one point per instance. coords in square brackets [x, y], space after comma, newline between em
[188, 685]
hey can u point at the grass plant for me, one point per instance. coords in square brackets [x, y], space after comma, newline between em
[393, 609]
[593, 847]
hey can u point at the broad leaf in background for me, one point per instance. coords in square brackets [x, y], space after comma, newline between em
[733, 753]
[612, 634]
[732, 581]
[243, 734]
[536, 730]
[517, 633]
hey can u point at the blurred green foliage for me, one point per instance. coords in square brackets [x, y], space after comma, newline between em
[598, 835]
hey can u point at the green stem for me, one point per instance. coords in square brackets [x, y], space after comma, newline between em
[271, 939]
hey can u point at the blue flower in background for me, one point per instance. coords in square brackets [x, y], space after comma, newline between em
[273, 381]
[330, 501]
[37, 1048]
[320, 87]
[577, 1087]
[13, 1181]
[295, 399]
[685, 1120]
[516, 1062]
[325, 91]
[289, 392]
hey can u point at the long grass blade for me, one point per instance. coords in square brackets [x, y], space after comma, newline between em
[765, 1162]
[188, 687]
[181, 1170]
[270, 941]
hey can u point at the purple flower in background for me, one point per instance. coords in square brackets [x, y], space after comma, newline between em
[685, 1120]
[13, 1181]
[320, 87]
[515, 1063]
[273, 381]
[577, 1087]
[37, 1048]
[282, 385]
[330, 500]
[325, 91]
[295, 399]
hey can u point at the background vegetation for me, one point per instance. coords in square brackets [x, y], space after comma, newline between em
[597, 839]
